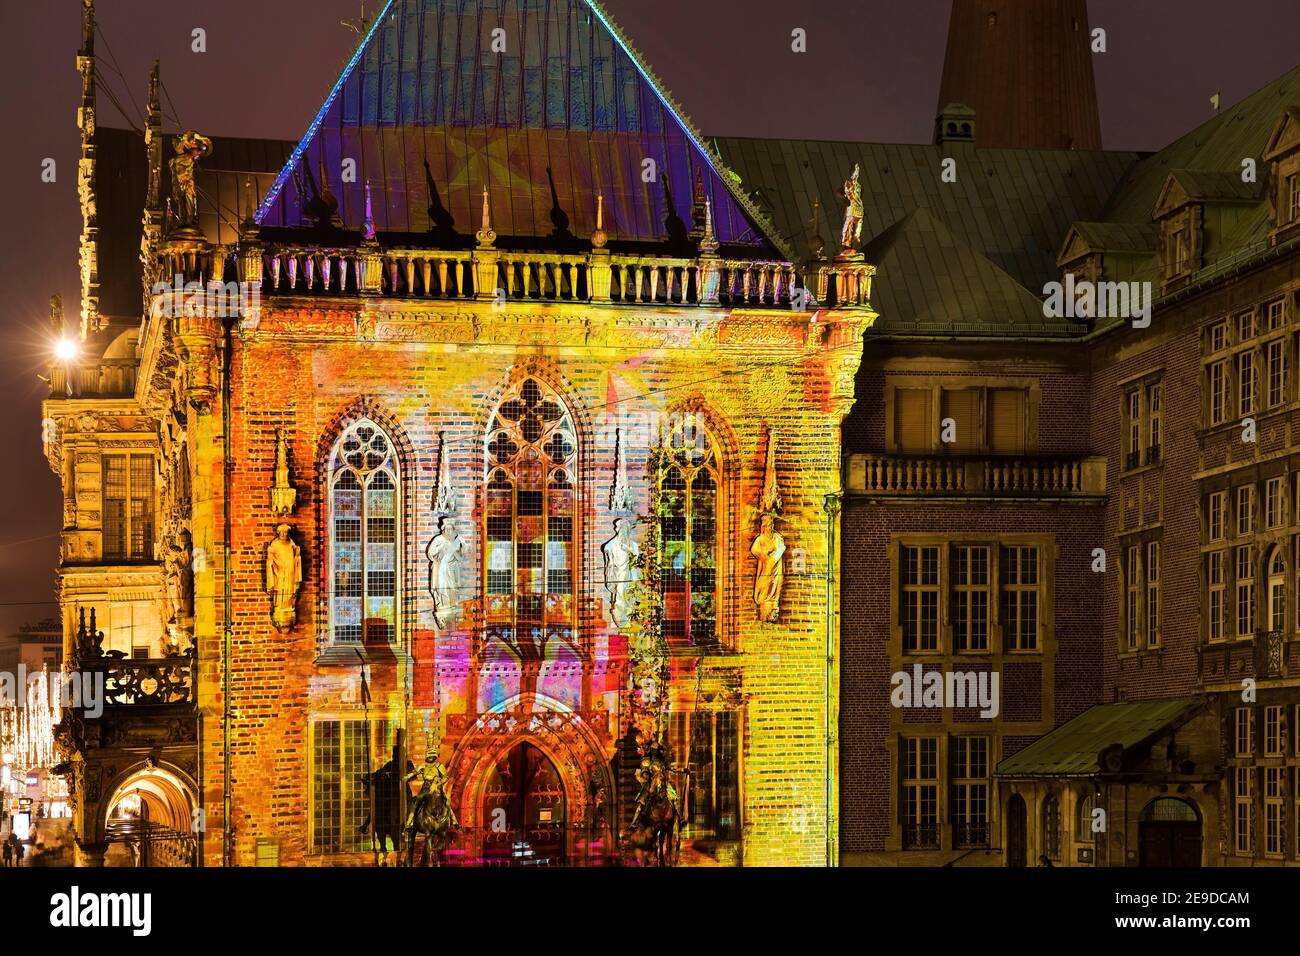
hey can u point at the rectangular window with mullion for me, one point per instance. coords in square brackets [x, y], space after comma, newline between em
[969, 760]
[339, 758]
[128, 508]
[919, 613]
[1019, 598]
[969, 585]
[919, 757]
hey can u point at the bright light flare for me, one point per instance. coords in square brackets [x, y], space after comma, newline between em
[65, 350]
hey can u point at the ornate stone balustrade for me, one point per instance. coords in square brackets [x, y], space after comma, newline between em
[978, 477]
[136, 681]
[494, 274]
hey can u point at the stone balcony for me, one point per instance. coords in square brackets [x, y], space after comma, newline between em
[898, 476]
[1263, 656]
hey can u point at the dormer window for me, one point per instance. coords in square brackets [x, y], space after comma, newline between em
[1180, 251]
[1283, 156]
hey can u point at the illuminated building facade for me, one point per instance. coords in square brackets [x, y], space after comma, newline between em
[519, 449]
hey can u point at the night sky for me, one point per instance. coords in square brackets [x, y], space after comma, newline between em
[871, 73]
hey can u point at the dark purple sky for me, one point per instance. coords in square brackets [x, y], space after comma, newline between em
[871, 73]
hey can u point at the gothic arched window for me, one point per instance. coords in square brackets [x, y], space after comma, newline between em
[688, 532]
[531, 549]
[363, 529]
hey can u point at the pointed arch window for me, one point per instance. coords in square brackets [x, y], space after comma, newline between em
[364, 491]
[531, 450]
[688, 532]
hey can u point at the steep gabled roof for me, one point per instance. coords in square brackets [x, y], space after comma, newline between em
[431, 112]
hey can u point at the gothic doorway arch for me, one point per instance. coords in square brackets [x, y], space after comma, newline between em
[572, 782]
[523, 809]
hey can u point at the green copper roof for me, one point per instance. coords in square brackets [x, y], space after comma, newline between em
[1072, 749]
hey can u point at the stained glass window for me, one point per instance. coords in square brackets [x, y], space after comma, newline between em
[688, 532]
[364, 519]
[531, 557]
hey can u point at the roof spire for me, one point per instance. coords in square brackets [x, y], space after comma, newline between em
[90, 319]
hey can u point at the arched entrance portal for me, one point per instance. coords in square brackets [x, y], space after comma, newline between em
[524, 810]
[149, 821]
[1169, 833]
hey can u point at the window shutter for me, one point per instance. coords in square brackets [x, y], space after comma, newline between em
[913, 422]
[1007, 421]
[962, 406]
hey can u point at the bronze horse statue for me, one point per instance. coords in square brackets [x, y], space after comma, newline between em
[431, 814]
[656, 832]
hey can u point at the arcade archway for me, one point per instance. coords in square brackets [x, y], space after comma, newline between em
[149, 821]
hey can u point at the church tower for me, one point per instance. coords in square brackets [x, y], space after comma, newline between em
[1025, 68]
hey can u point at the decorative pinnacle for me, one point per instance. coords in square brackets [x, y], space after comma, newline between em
[600, 236]
[369, 231]
[486, 235]
[709, 244]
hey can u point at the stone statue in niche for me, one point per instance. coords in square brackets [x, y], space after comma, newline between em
[621, 552]
[180, 577]
[283, 578]
[445, 552]
[283, 494]
[769, 551]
